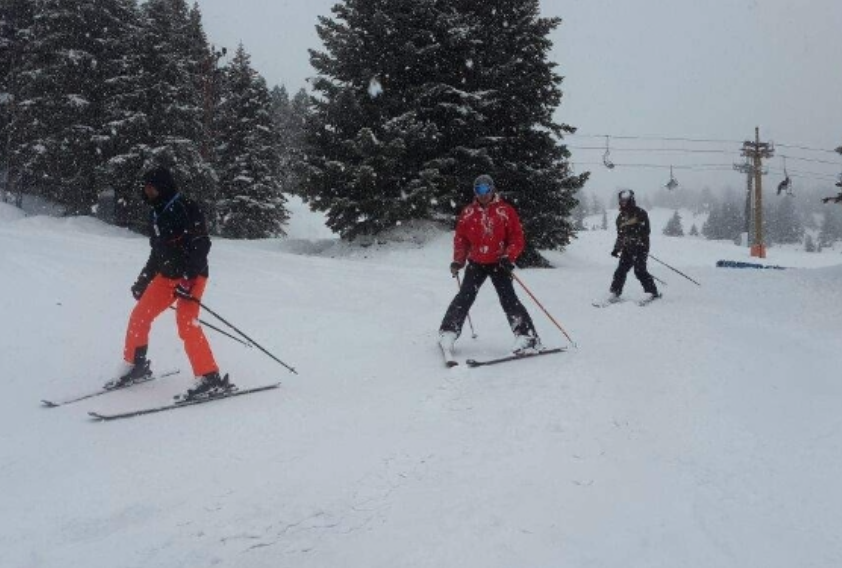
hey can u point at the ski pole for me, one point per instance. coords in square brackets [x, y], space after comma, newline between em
[552, 319]
[470, 323]
[222, 331]
[658, 279]
[252, 341]
[674, 270]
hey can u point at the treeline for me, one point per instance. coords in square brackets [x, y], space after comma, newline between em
[787, 219]
[94, 92]
[411, 101]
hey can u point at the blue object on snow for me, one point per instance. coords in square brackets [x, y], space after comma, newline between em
[738, 264]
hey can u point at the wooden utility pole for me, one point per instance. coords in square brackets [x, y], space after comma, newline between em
[756, 151]
[748, 169]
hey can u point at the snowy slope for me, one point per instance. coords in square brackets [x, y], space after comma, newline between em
[703, 430]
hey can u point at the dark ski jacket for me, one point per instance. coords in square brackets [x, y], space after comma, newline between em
[632, 230]
[179, 239]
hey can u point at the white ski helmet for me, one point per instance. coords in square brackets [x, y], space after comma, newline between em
[626, 196]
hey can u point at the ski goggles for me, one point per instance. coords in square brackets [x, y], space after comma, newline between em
[483, 189]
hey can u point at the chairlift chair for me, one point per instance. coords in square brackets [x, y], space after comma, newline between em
[672, 183]
[606, 159]
[786, 185]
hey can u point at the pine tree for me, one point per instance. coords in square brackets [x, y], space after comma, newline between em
[252, 205]
[17, 18]
[597, 205]
[604, 224]
[289, 117]
[674, 228]
[831, 229]
[809, 244]
[172, 52]
[417, 98]
[60, 107]
[694, 231]
[579, 213]
[366, 140]
[124, 132]
[712, 227]
[725, 221]
[519, 92]
[706, 203]
[785, 224]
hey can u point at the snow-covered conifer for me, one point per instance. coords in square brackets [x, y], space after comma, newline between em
[251, 204]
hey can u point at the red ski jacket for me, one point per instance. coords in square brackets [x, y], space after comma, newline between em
[486, 234]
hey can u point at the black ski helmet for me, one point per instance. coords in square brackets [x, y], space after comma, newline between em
[161, 179]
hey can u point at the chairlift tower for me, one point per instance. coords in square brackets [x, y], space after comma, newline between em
[756, 151]
[748, 169]
[839, 151]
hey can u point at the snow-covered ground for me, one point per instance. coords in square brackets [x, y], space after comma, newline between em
[701, 431]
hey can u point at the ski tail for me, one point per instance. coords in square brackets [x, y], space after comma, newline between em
[56, 403]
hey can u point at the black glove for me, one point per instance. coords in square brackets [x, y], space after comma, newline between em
[455, 267]
[506, 264]
[615, 253]
[185, 288]
[139, 287]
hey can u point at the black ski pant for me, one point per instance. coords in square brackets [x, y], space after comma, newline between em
[475, 275]
[633, 258]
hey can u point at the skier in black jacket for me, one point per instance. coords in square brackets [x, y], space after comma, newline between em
[177, 270]
[632, 246]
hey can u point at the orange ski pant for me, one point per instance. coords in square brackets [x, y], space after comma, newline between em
[159, 295]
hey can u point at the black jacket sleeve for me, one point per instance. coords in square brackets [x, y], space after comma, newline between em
[152, 263]
[149, 271]
[646, 229]
[198, 244]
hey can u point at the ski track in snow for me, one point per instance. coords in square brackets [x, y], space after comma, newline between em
[702, 430]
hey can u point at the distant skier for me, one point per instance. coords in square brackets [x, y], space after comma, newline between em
[632, 246]
[177, 270]
[490, 238]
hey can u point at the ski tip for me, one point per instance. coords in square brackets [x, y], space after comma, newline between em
[472, 363]
[97, 417]
[49, 404]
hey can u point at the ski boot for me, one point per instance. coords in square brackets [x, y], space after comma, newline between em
[129, 374]
[527, 345]
[447, 339]
[209, 386]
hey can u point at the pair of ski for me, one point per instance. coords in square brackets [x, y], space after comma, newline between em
[450, 360]
[153, 409]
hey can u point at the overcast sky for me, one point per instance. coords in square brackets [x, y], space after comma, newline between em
[643, 69]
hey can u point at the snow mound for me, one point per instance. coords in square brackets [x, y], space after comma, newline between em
[9, 213]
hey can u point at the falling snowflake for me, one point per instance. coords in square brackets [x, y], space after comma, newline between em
[374, 87]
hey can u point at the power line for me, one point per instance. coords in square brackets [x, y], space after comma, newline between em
[661, 166]
[662, 138]
[717, 167]
[806, 174]
[811, 160]
[684, 150]
[696, 140]
[806, 148]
